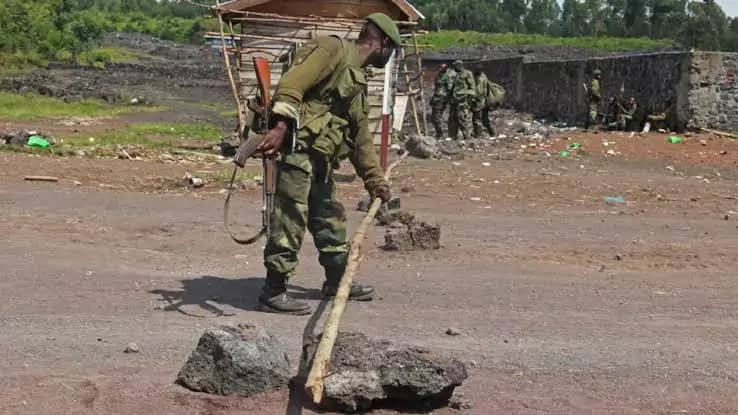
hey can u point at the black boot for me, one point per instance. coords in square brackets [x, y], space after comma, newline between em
[274, 298]
[358, 292]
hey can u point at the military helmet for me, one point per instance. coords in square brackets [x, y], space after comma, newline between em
[597, 72]
[457, 65]
[387, 26]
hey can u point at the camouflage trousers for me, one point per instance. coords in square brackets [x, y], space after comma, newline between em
[593, 113]
[481, 120]
[463, 120]
[438, 108]
[305, 199]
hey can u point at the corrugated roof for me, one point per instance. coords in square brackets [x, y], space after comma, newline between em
[412, 13]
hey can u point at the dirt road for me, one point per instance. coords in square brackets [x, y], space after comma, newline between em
[567, 305]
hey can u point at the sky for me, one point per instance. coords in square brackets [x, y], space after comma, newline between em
[730, 7]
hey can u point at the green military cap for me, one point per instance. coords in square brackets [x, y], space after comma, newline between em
[597, 72]
[386, 25]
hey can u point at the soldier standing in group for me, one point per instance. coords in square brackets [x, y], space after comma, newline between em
[439, 102]
[326, 90]
[489, 98]
[463, 99]
[594, 96]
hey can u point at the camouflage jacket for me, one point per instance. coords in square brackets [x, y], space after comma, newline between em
[443, 86]
[464, 87]
[595, 95]
[325, 92]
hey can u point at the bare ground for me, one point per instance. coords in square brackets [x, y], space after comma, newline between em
[567, 305]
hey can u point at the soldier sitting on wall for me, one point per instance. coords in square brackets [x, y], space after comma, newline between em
[627, 114]
[662, 120]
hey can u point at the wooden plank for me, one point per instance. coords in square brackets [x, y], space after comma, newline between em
[354, 9]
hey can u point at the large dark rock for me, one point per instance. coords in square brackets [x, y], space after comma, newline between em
[236, 360]
[367, 374]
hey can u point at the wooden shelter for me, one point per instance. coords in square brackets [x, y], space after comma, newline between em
[273, 29]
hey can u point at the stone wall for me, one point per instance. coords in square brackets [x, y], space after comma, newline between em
[554, 89]
[713, 93]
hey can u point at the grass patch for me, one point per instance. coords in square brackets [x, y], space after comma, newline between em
[454, 38]
[101, 57]
[34, 106]
[152, 135]
[224, 175]
[229, 114]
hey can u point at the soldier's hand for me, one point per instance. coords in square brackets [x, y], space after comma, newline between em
[382, 191]
[273, 139]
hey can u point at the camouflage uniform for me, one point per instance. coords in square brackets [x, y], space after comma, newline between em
[439, 102]
[627, 112]
[490, 96]
[326, 91]
[595, 96]
[463, 99]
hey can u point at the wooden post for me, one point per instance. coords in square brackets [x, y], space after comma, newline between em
[386, 113]
[314, 384]
[234, 88]
[421, 89]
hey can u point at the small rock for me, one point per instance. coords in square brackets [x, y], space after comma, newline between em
[132, 348]
[452, 331]
[459, 403]
[618, 257]
[475, 199]
[602, 268]
[80, 153]
[364, 203]
[703, 142]
[485, 164]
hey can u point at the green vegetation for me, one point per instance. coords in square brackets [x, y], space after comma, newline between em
[454, 38]
[32, 106]
[35, 32]
[692, 24]
[154, 135]
[99, 57]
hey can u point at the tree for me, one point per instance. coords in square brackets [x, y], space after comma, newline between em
[514, 12]
[543, 17]
[636, 18]
[667, 18]
[573, 17]
[614, 13]
[706, 26]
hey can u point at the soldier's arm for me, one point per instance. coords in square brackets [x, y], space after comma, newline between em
[314, 62]
[362, 155]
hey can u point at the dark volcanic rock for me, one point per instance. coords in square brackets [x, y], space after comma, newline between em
[366, 374]
[421, 146]
[236, 360]
[417, 235]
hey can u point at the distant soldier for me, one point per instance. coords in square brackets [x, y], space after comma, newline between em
[440, 100]
[489, 97]
[594, 96]
[627, 112]
[463, 98]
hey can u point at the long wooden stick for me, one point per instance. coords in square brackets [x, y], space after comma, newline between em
[234, 88]
[314, 384]
[720, 133]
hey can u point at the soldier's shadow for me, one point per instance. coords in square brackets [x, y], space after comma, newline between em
[210, 296]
